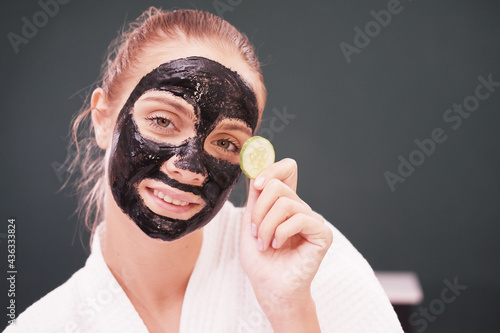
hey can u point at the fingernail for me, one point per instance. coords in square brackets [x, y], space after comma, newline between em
[259, 181]
[254, 230]
[260, 245]
[275, 243]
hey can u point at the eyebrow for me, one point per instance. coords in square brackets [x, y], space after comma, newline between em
[235, 127]
[168, 101]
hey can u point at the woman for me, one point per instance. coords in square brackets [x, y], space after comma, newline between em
[180, 94]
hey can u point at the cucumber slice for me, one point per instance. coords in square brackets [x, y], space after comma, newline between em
[256, 155]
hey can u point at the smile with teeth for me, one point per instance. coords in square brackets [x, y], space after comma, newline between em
[170, 200]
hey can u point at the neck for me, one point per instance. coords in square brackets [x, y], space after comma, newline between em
[152, 272]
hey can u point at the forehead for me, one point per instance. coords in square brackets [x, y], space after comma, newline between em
[215, 91]
[154, 55]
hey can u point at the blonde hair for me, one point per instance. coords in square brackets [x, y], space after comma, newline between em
[86, 169]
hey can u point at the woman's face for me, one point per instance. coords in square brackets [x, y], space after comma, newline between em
[173, 159]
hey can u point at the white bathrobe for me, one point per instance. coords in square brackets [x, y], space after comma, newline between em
[219, 297]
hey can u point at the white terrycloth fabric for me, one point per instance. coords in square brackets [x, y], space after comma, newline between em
[219, 297]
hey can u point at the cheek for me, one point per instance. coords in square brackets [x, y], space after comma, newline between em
[104, 135]
[223, 173]
[105, 160]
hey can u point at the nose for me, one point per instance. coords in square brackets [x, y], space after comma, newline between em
[183, 172]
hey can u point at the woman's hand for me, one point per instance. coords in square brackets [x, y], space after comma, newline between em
[283, 242]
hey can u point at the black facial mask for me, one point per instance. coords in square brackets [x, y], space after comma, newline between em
[216, 93]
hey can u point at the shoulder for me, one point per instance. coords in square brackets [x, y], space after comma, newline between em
[347, 292]
[90, 301]
[52, 313]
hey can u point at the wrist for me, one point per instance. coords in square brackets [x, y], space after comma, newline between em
[297, 315]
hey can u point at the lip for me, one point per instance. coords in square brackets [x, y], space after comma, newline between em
[192, 203]
[175, 193]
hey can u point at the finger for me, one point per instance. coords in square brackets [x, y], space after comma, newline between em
[272, 191]
[253, 195]
[310, 228]
[283, 209]
[284, 170]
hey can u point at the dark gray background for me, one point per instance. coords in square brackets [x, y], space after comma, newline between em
[352, 121]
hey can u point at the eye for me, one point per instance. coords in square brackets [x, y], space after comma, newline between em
[163, 122]
[226, 144]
